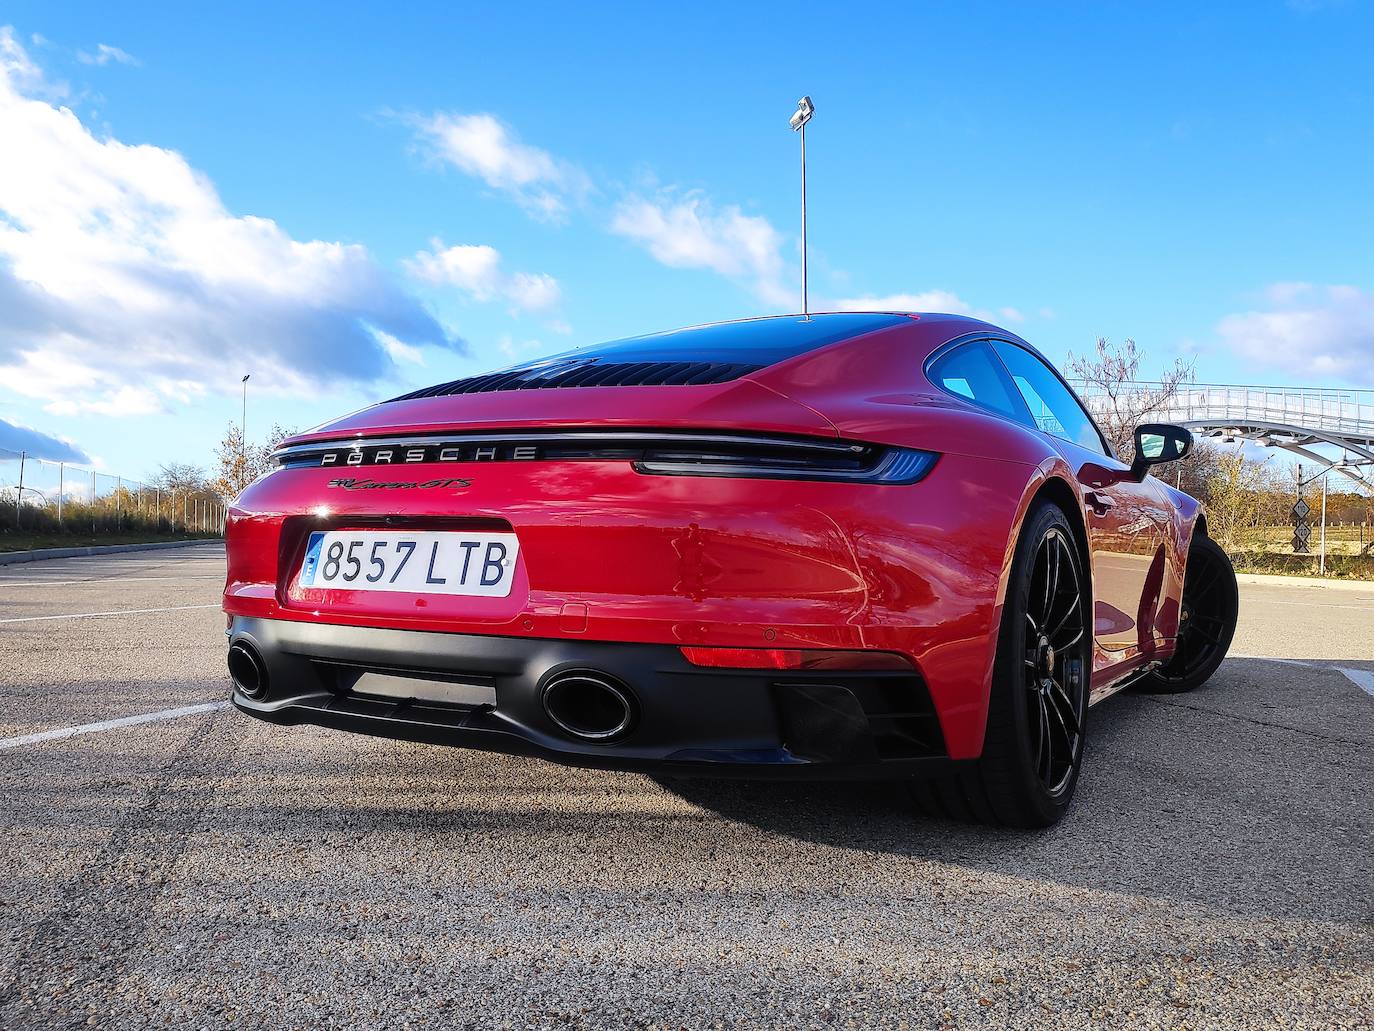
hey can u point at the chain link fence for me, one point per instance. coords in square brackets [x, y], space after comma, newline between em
[40, 497]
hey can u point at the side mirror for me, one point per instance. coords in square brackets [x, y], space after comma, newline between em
[1157, 444]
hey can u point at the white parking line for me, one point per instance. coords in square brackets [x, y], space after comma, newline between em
[94, 728]
[112, 612]
[1369, 607]
[1362, 679]
[1270, 658]
[100, 580]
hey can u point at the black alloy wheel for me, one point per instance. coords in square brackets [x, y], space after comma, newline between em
[1053, 667]
[1207, 620]
[1037, 708]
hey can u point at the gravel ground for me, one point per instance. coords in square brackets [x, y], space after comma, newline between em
[212, 871]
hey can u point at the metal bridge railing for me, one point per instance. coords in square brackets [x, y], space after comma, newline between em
[1339, 412]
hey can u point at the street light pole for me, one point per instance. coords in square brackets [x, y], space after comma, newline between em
[805, 305]
[243, 429]
[243, 423]
[805, 109]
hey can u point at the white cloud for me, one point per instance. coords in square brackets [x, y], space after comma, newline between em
[127, 400]
[680, 229]
[20, 70]
[22, 439]
[1287, 293]
[476, 270]
[685, 230]
[483, 146]
[942, 301]
[534, 291]
[929, 300]
[1308, 330]
[104, 54]
[516, 350]
[473, 268]
[125, 285]
[399, 350]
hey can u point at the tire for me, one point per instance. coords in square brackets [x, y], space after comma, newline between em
[1037, 708]
[1207, 620]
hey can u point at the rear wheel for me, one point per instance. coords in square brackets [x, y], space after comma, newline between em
[1207, 620]
[1033, 747]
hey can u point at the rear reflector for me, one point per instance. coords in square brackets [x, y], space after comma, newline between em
[794, 658]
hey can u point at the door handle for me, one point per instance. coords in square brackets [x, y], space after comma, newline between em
[1100, 503]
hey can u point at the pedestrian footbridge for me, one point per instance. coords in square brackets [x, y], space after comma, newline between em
[1331, 429]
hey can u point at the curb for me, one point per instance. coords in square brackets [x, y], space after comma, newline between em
[10, 558]
[1280, 580]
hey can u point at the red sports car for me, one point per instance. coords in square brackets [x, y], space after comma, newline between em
[843, 545]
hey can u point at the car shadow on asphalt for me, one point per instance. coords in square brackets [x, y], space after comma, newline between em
[1248, 797]
[1239, 797]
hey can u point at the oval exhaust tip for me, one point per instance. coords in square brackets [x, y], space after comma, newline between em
[247, 669]
[589, 705]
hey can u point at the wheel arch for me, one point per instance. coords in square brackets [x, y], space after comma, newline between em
[1054, 487]
[1052, 481]
[1049, 482]
[1058, 491]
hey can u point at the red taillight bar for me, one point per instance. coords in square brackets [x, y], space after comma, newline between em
[794, 658]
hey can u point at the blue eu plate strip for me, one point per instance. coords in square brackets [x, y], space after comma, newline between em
[312, 560]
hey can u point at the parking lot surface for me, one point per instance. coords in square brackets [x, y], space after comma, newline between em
[208, 870]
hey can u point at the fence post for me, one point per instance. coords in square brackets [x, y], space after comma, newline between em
[19, 494]
[119, 489]
[94, 488]
[61, 489]
[1323, 558]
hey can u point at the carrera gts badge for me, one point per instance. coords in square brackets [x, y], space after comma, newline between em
[352, 484]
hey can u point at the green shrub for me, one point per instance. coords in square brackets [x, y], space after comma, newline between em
[1345, 567]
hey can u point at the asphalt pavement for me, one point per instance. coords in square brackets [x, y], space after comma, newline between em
[206, 870]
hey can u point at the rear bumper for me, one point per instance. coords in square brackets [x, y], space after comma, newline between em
[710, 722]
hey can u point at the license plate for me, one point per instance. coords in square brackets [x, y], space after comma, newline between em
[419, 562]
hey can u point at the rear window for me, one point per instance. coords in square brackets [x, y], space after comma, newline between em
[682, 357]
[757, 342]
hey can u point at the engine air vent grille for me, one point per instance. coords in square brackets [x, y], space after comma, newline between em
[575, 372]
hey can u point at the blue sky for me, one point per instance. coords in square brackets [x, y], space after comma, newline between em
[349, 201]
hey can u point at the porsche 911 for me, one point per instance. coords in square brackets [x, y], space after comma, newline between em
[850, 545]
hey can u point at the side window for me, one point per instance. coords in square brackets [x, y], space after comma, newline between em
[971, 371]
[1055, 410]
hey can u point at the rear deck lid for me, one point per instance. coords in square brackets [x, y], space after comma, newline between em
[690, 378]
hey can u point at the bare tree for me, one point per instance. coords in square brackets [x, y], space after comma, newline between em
[275, 436]
[1118, 399]
[1194, 474]
[240, 463]
[1240, 495]
[180, 478]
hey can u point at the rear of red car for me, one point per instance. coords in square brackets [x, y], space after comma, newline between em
[642, 555]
